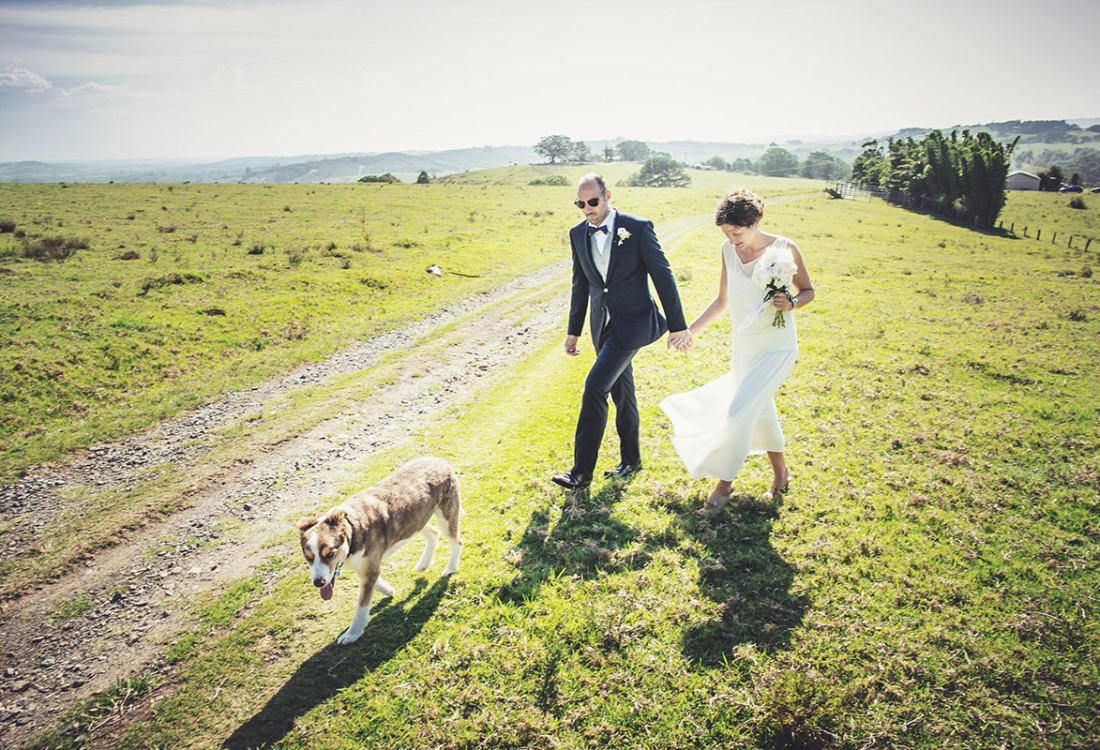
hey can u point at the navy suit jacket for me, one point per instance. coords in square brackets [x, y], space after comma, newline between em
[625, 293]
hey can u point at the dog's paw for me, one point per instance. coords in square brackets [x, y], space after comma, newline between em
[384, 588]
[421, 566]
[450, 570]
[349, 637]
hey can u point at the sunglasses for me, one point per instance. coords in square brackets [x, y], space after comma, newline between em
[591, 201]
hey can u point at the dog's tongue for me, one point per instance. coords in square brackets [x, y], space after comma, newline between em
[326, 591]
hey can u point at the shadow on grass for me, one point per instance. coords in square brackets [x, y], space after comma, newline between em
[744, 573]
[584, 542]
[335, 667]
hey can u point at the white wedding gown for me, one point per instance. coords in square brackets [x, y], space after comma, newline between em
[717, 426]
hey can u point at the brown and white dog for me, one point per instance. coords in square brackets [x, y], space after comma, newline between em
[372, 524]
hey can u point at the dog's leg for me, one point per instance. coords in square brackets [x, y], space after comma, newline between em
[384, 588]
[456, 552]
[368, 580]
[448, 519]
[431, 541]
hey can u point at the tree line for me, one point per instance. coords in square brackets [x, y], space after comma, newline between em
[661, 170]
[961, 175]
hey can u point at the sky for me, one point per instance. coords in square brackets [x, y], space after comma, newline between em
[215, 79]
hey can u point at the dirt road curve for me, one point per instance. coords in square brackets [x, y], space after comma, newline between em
[136, 589]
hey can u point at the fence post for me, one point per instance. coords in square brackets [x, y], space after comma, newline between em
[1054, 239]
[1013, 230]
[1038, 234]
[1070, 243]
[1087, 243]
[1025, 231]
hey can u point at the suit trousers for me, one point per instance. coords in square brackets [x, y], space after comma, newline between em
[612, 373]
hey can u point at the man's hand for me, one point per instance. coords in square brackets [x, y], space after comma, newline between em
[680, 340]
[571, 345]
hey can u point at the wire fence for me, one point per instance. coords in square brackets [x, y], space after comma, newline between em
[856, 191]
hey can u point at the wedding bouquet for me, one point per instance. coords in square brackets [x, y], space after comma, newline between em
[773, 273]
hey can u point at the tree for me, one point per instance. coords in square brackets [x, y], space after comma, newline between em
[820, 165]
[608, 153]
[555, 147]
[633, 150]
[1052, 179]
[742, 166]
[717, 162]
[870, 168]
[660, 171]
[581, 152]
[423, 178]
[777, 162]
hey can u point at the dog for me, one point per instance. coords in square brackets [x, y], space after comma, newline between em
[372, 524]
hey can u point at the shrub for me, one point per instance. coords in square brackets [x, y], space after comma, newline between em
[7, 227]
[387, 177]
[555, 180]
[53, 248]
[171, 279]
[1077, 202]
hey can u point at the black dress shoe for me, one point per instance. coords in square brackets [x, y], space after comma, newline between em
[623, 470]
[571, 481]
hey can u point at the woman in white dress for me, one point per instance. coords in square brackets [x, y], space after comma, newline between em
[717, 426]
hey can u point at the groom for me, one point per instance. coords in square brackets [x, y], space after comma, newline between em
[613, 254]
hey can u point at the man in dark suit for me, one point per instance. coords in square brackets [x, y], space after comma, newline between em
[613, 256]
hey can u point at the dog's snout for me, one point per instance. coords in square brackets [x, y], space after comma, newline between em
[318, 582]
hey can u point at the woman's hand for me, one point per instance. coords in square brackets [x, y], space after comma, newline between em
[783, 301]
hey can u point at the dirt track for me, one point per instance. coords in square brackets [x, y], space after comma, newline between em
[136, 595]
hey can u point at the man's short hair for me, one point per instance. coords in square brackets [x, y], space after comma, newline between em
[601, 183]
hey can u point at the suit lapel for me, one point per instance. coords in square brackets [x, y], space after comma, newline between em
[585, 253]
[613, 243]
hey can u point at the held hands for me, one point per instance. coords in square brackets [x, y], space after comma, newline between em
[680, 340]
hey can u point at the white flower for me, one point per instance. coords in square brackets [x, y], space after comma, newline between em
[774, 273]
[623, 235]
[774, 269]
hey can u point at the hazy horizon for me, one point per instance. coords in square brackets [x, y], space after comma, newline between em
[199, 80]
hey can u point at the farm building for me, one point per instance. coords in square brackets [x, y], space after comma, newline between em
[1020, 180]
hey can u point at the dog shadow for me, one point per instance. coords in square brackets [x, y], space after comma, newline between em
[584, 541]
[742, 571]
[392, 626]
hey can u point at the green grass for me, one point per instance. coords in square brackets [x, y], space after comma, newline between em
[929, 581]
[1051, 213]
[179, 293]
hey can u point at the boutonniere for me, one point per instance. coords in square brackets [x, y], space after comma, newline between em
[623, 235]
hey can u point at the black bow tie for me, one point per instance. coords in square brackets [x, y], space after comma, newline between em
[592, 230]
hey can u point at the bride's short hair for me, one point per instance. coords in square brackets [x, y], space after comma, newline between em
[740, 208]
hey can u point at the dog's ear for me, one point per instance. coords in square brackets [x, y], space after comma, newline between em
[307, 523]
[336, 516]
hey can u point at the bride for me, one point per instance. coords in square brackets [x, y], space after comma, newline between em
[717, 426]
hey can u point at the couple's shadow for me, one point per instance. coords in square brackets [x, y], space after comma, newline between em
[574, 536]
[743, 572]
[738, 566]
[393, 625]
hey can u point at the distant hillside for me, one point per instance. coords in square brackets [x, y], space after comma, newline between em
[1042, 143]
[286, 169]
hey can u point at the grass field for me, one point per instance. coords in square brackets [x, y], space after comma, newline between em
[929, 581]
[1053, 214]
[168, 295]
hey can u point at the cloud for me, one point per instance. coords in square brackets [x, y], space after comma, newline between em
[92, 95]
[15, 77]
